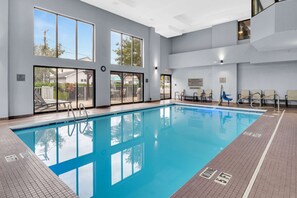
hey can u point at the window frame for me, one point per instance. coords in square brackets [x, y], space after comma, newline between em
[122, 87]
[57, 82]
[76, 34]
[132, 49]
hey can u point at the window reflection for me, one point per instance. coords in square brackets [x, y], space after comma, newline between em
[126, 127]
[80, 180]
[46, 145]
[126, 163]
[56, 145]
[165, 117]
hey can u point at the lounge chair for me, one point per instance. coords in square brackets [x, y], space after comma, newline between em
[40, 102]
[208, 95]
[180, 95]
[198, 94]
[244, 95]
[291, 96]
[256, 95]
[269, 95]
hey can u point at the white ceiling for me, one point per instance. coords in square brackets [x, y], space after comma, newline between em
[174, 17]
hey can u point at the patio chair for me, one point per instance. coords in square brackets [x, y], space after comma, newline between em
[243, 95]
[180, 95]
[256, 95]
[269, 95]
[291, 96]
[198, 94]
[208, 95]
[40, 102]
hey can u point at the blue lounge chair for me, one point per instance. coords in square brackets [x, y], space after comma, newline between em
[225, 97]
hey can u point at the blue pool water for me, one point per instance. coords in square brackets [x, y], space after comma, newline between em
[146, 153]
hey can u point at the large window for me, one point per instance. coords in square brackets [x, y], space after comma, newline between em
[62, 37]
[244, 29]
[56, 88]
[126, 50]
[126, 87]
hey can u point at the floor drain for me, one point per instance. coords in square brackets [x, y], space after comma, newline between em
[252, 134]
[11, 158]
[223, 178]
[208, 173]
[25, 154]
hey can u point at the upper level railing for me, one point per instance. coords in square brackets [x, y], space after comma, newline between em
[260, 5]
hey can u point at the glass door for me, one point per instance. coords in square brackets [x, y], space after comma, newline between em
[138, 87]
[67, 80]
[56, 88]
[116, 88]
[126, 87]
[165, 87]
[85, 88]
[45, 89]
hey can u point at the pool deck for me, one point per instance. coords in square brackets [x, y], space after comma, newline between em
[262, 161]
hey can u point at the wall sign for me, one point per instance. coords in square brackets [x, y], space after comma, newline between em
[223, 80]
[21, 77]
[195, 82]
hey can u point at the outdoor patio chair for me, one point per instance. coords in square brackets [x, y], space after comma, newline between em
[40, 102]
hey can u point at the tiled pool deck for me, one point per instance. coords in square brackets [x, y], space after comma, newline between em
[276, 177]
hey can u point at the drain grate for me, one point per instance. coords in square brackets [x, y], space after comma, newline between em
[208, 173]
[252, 134]
[11, 158]
[223, 178]
[26, 154]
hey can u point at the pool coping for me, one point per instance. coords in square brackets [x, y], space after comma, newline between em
[79, 118]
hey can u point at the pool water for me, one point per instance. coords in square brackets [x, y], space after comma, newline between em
[145, 153]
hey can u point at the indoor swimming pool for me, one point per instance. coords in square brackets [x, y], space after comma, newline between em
[143, 153]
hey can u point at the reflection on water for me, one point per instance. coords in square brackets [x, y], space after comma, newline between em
[148, 153]
[126, 163]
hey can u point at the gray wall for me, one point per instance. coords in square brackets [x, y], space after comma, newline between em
[4, 59]
[22, 60]
[277, 76]
[192, 41]
[244, 66]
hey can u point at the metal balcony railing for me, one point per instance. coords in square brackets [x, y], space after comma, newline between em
[260, 5]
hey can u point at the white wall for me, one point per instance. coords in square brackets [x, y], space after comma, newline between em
[278, 76]
[210, 75]
[4, 59]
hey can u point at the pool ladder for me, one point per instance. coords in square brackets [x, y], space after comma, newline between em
[81, 107]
